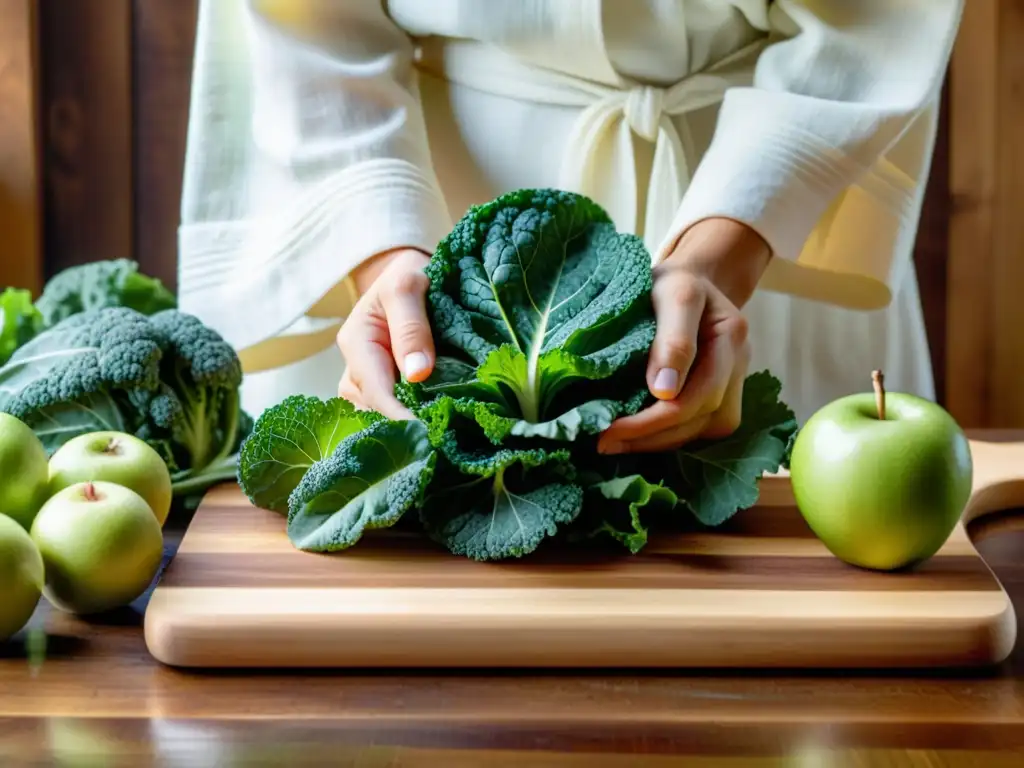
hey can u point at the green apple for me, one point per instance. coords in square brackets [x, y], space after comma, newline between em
[115, 457]
[882, 479]
[23, 471]
[21, 577]
[101, 546]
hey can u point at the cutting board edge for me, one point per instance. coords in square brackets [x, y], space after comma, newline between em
[195, 639]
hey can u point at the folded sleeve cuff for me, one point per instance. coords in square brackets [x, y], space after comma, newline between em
[834, 225]
[253, 279]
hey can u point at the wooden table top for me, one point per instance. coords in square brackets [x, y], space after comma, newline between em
[77, 690]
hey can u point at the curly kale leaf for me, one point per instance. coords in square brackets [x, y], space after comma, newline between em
[535, 291]
[20, 321]
[370, 481]
[717, 478]
[491, 507]
[288, 439]
[572, 401]
[616, 506]
[712, 479]
[493, 502]
[100, 284]
[542, 320]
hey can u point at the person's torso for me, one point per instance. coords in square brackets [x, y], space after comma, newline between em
[652, 41]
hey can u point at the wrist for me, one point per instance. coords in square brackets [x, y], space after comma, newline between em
[367, 272]
[728, 253]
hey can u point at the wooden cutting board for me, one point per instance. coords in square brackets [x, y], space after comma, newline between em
[760, 592]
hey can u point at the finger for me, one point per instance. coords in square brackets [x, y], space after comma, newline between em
[404, 302]
[348, 391]
[661, 416]
[729, 415]
[376, 382]
[370, 367]
[701, 395]
[679, 303]
[671, 438]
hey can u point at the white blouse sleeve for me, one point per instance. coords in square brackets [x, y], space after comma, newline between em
[307, 154]
[827, 154]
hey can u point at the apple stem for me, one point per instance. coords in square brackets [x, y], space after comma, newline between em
[114, 446]
[90, 492]
[878, 379]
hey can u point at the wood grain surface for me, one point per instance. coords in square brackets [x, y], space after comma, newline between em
[761, 591]
[87, 692]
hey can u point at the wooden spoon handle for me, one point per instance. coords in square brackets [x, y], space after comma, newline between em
[998, 477]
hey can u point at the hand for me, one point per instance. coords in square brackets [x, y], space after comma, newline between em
[387, 328]
[699, 359]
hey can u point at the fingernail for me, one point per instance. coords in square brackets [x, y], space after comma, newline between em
[612, 446]
[667, 381]
[415, 362]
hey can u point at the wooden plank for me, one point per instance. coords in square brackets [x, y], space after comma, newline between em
[973, 181]
[88, 138]
[985, 348]
[1007, 266]
[20, 216]
[163, 41]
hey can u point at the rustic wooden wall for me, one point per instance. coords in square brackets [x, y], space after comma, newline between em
[20, 203]
[114, 104]
[163, 34]
[985, 293]
[87, 130]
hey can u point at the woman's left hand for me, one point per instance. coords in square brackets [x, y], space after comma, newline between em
[700, 356]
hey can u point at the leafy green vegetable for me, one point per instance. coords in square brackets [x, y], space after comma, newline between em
[496, 518]
[288, 439]
[166, 378]
[373, 478]
[625, 524]
[99, 284]
[533, 293]
[20, 320]
[719, 477]
[542, 319]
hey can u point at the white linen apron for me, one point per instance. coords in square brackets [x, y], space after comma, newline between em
[630, 141]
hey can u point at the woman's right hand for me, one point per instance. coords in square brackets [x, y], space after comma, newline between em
[386, 332]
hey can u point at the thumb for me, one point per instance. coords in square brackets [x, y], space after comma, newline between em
[412, 345]
[678, 308]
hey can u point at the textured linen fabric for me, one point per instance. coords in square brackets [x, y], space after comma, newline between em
[323, 132]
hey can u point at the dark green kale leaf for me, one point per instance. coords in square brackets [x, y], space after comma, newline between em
[542, 319]
[287, 439]
[500, 506]
[534, 292]
[491, 501]
[615, 507]
[717, 478]
[369, 481]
